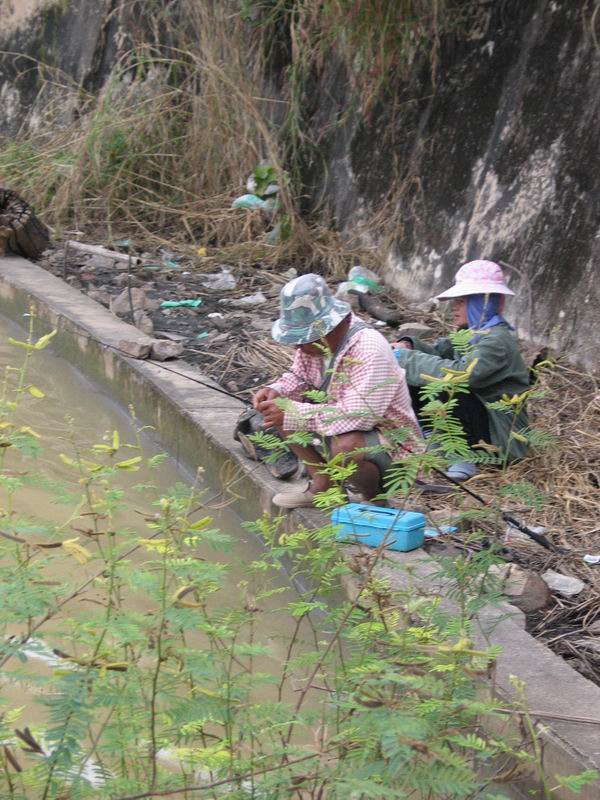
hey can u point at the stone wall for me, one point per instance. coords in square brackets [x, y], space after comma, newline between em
[53, 52]
[500, 158]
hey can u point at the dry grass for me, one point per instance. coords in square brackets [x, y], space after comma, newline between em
[566, 473]
[187, 114]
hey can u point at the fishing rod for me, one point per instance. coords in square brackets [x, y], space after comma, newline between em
[515, 523]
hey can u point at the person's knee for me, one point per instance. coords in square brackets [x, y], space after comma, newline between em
[347, 442]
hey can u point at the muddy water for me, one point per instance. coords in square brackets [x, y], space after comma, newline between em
[74, 409]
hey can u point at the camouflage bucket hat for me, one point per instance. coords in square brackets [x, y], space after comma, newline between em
[308, 311]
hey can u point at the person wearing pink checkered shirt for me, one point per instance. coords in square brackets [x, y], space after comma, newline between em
[362, 391]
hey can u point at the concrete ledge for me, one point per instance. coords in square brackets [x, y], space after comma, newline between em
[195, 423]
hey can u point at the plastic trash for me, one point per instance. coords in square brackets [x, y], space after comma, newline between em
[591, 559]
[181, 303]
[248, 301]
[263, 181]
[274, 236]
[169, 259]
[432, 533]
[251, 202]
[202, 335]
[360, 281]
[253, 187]
[215, 315]
[219, 281]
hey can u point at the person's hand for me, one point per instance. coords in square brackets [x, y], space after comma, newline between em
[273, 415]
[406, 344]
[263, 395]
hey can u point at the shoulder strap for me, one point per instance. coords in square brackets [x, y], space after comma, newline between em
[328, 374]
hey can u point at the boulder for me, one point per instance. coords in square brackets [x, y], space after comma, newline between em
[142, 321]
[139, 300]
[514, 535]
[99, 296]
[163, 349]
[122, 279]
[524, 589]
[135, 348]
[261, 323]
[563, 584]
[417, 329]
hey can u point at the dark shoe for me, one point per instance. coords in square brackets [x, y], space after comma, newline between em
[250, 422]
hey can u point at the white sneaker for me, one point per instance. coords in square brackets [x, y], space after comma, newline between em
[298, 497]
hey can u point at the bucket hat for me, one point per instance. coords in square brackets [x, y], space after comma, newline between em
[477, 277]
[308, 311]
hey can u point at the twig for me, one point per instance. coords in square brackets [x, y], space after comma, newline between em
[223, 782]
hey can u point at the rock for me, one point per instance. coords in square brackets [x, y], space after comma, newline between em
[230, 322]
[515, 535]
[99, 296]
[524, 589]
[563, 584]
[413, 329]
[261, 324]
[121, 280]
[135, 348]
[142, 321]
[219, 281]
[427, 307]
[171, 336]
[139, 299]
[163, 349]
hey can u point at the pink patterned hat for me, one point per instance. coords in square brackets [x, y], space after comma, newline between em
[477, 277]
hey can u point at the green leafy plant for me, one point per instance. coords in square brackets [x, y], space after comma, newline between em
[158, 675]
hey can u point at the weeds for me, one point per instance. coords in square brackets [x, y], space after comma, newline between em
[184, 690]
[193, 105]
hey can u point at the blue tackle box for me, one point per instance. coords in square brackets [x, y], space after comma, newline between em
[370, 525]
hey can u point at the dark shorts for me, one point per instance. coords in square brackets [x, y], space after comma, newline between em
[381, 458]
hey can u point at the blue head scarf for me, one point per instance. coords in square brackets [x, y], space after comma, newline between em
[483, 311]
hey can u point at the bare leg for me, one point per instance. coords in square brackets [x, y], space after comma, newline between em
[319, 481]
[366, 478]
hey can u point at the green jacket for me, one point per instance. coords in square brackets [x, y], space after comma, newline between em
[500, 370]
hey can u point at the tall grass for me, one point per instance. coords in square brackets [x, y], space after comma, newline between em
[190, 108]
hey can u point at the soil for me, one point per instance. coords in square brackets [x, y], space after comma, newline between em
[234, 349]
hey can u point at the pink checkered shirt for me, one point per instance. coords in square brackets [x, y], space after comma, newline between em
[367, 390]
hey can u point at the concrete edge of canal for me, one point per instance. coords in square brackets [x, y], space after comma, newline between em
[194, 423]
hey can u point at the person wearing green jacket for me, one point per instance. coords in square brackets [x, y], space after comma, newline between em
[478, 297]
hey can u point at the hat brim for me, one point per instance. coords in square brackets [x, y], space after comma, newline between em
[335, 314]
[465, 289]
